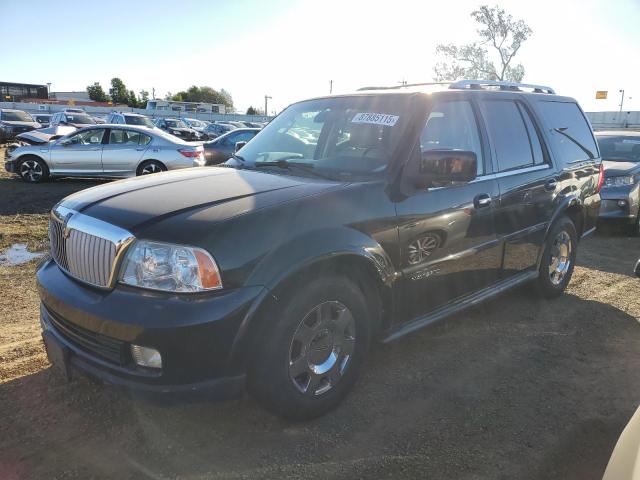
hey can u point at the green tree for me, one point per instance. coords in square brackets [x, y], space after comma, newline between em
[143, 98]
[96, 93]
[501, 33]
[132, 100]
[252, 111]
[118, 92]
[204, 94]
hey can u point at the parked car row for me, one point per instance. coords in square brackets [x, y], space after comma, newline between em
[114, 151]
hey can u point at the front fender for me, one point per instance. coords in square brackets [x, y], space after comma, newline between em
[298, 254]
[317, 245]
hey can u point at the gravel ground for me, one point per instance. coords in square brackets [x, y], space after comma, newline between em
[516, 388]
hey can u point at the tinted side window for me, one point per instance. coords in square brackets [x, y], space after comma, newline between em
[571, 137]
[452, 126]
[508, 134]
[534, 138]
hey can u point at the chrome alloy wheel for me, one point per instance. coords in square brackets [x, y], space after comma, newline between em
[151, 168]
[321, 348]
[31, 170]
[560, 259]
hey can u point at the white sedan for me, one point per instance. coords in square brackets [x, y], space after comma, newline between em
[107, 151]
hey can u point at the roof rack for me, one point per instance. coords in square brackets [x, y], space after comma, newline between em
[404, 85]
[511, 86]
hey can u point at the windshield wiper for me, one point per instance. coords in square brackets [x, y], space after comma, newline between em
[238, 157]
[285, 164]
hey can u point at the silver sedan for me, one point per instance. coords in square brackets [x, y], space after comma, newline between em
[111, 151]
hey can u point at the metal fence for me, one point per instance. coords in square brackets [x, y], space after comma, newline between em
[614, 119]
[211, 117]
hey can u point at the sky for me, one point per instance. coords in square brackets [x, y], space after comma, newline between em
[291, 50]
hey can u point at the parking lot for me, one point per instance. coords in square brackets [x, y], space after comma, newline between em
[515, 388]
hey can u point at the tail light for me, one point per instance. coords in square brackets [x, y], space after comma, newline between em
[189, 153]
[600, 178]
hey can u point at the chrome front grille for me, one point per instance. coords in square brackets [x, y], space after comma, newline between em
[86, 248]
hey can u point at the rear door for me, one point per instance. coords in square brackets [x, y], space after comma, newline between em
[123, 151]
[80, 155]
[447, 234]
[526, 179]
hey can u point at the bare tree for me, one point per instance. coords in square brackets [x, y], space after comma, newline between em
[500, 33]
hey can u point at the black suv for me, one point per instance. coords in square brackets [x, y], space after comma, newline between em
[347, 219]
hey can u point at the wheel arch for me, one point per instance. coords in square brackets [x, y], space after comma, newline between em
[367, 266]
[571, 207]
[27, 155]
[145, 160]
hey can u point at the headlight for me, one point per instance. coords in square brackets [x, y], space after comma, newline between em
[172, 268]
[619, 181]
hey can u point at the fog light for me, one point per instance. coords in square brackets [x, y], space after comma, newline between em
[622, 203]
[146, 357]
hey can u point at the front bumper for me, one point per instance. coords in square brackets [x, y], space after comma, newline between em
[194, 334]
[621, 203]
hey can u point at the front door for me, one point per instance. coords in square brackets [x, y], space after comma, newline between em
[123, 151]
[80, 154]
[447, 235]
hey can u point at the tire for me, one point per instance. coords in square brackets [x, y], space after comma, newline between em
[150, 166]
[33, 169]
[558, 258]
[289, 375]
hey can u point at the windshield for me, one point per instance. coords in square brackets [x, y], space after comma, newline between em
[175, 124]
[81, 119]
[135, 120]
[16, 117]
[619, 148]
[343, 135]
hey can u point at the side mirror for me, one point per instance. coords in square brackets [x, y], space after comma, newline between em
[447, 166]
[239, 145]
[637, 269]
[65, 142]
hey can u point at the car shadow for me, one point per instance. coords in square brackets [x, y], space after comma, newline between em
[515, 388]
[23, 198]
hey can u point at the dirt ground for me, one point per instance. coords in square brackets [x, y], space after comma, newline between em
[518, 388]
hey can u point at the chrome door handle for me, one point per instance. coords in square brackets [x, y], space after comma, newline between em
[140, 149]
[482, 200]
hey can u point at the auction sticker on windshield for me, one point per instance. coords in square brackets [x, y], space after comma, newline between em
[376, 119]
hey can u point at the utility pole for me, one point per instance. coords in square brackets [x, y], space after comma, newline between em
[621, 100]
[330, 87]
[153, 93]
[266, 100]
[48, 90]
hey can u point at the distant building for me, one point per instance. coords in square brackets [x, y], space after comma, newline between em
[16, 92]
[194, 107]
[74, 96]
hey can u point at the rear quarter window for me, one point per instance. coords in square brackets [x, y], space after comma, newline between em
[569, 132]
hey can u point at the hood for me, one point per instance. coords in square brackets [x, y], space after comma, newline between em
[21, 124]
[223, 192]
[615, 169]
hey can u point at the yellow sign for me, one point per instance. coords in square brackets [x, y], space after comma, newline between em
[601, 95]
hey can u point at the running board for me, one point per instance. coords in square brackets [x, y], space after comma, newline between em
[463, 303]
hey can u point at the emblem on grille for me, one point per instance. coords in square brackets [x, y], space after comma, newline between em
[66, 231]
